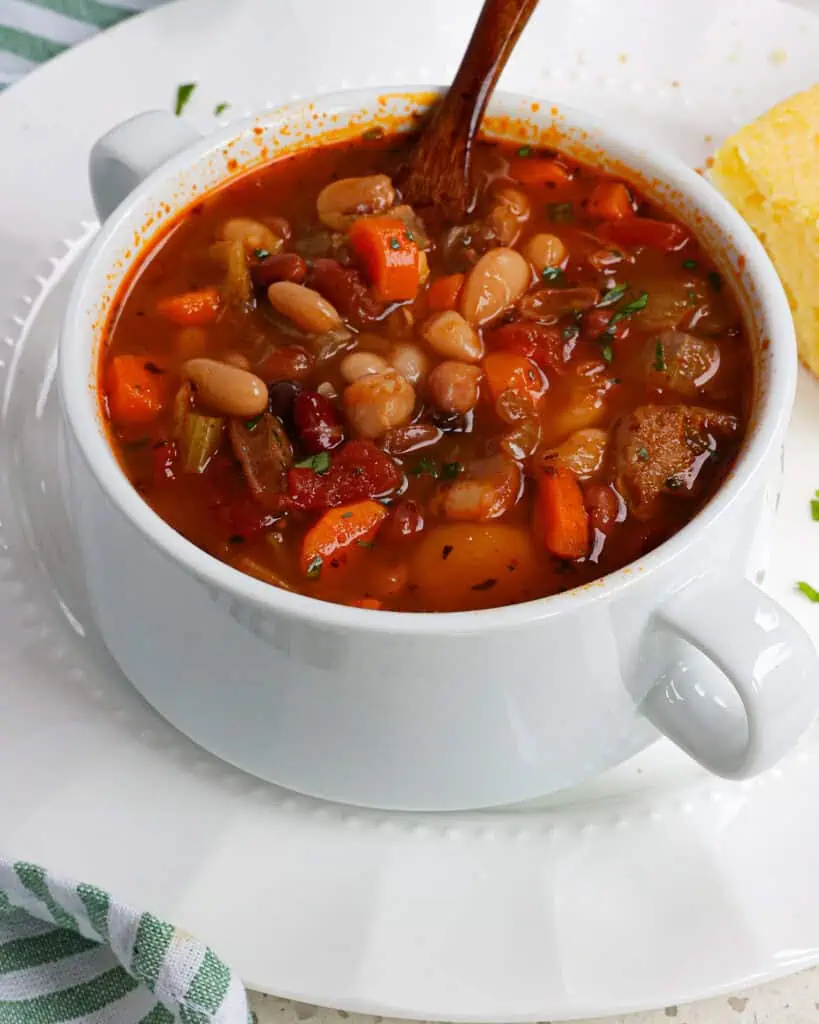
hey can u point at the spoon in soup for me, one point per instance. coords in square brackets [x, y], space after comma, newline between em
[438, 170]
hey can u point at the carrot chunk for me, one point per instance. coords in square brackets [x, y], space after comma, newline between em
[191, 308]
[561, 522]
[509, 371]
[444, 293]
[389, 255]
[336, 532]
[610, 200]
[539, 171]
[134, 393]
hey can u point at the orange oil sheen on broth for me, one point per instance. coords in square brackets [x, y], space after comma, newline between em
[634, 317]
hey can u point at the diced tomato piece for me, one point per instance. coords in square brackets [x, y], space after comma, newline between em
[542, 344]
[247, 518]
[134, 391]
[358, 470]
[610, 200]
[444, 292]
[389, 256]
[655, 234]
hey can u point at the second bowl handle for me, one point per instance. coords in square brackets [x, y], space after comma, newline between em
[127, 154]
[767, 658]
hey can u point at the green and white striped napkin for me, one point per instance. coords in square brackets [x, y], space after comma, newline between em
[33, 31]
[69, 952]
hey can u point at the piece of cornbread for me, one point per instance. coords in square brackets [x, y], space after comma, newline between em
[769, 170]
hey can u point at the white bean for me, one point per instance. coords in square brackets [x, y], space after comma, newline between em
[496, 282]
[359, 364]
[378, 402]
[454, 387]
[226, 388]
[545, 251]
[341, 201]
[251, 233]
[410, 361]
[304, 306]
[452, 337]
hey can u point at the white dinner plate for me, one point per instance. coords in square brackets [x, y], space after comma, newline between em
[651, 886]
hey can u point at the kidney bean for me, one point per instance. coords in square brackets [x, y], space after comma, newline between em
[282, 266]
[290, 362]
[406, 521]
[602, 505]
[317, 422]
[402, 440]
[345, 288]
[282, 394]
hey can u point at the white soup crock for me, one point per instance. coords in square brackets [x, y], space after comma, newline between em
[437, 711]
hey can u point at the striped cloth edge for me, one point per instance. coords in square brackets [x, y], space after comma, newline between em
[33, 31]
[69, 952]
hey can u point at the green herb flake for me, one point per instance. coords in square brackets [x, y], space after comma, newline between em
[371, 134]
[814, 509]
[690, 264]
[451, 470]
[659, 357]
[252, 424]
[552, 273]
[183, 95]
[715, 280]
[811, 593]
[261, 254]
[314, 567]
[346, 515]
[320, 463]
[394, 243]
[366, 543]
[220, 108]
[613, 295]
[692, 298]
[525, 151]
[642, 454]
[560, 213]
[425, 467]
[607, 352]
[635, 306]
[410, 237]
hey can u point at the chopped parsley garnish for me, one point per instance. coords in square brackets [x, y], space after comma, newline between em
[425, 467]
[450, 470]
[571, 333]
[628, 310]
[261, 254]
[314, 567]
[690, 264]
[692, 298]
[318, 463]
[613, 295]
[560, 213]
[252, 424]
[552, 273]
[715, 280]
[659, 357]
[814, 507]
[394, 243]
[642, 454]
[371, 134]
[183, 95]
[410, 237]
[607, 352]
[525, 151]
[486, 585]
[220, 108]
[346, 515]
[811, 593]
[366, 543]
[446, 551]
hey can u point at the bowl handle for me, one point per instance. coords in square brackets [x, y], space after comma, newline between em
[763, 653]
[127, 154]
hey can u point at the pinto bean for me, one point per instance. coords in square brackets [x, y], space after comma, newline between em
[281, 266]
[545, 252]
[496, 282]
[251, 233]
[305, 307]
[453, 387]
[226, 388]
[341, 201]
[378, 402]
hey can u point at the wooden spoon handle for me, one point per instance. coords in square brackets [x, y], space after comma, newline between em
[444, 150]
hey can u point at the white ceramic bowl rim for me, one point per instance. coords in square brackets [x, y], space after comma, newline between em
[770, 416]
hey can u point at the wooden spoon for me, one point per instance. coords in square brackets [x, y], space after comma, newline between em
[438, 171]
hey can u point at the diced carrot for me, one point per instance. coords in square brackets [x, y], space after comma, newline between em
[368, 602]
[560, 520]
[338, 530]
[444, 293]
[539, 171]
[135, 395]
[656, 234]
[509, 371]
[389, 255]
[610, 200]
[191, 308]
